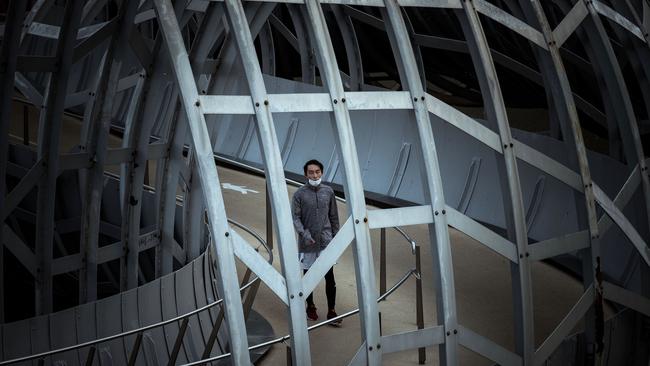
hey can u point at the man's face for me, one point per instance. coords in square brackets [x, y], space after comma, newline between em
[313, 172]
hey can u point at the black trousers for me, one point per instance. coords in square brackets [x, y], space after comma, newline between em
[330, 290]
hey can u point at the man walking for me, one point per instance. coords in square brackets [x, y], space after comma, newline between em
[316, 220]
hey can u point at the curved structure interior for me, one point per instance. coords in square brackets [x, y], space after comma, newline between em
[521, 123]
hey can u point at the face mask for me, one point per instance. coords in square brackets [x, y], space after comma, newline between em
[314, 183]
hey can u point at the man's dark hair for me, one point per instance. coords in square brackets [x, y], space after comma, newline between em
[312, 162]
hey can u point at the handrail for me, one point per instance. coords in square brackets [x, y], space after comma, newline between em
[257, 236]
[383, 297]
[413, 272]
[150, 326]
[408, 238]
[297, 184]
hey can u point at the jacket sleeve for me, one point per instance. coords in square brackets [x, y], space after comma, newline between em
[297, 223]
[334, 214]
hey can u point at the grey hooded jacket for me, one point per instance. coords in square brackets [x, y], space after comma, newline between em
[315, 217]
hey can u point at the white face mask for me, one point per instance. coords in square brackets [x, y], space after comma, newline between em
[314, 183]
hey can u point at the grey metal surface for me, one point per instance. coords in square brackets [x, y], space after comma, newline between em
[550, 195]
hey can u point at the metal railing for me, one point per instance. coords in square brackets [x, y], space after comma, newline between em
[284, 338]
[139, 331]
[252, 287]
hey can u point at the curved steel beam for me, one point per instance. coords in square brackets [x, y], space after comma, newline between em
[364, 265]
[95, 143]
[438, 231]
[275, 182]
[48, 150]
[513, 203]
[8, 58]
[223, 241]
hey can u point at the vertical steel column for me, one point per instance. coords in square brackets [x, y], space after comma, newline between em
[567, 111]
[515, 213]
[352, 50]
[48, 151]
[269, 221]
[439, 231]
[307, 62]
[95, 143]
[136, 138]
[8, 57]
[382, 261]
[275, 182]
[168, 184]
[223, 242]
[615, 82]
[365, 272]
[258, 13]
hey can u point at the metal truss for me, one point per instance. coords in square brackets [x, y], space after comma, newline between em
[165, 70]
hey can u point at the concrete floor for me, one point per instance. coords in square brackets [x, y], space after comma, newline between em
[482, 279]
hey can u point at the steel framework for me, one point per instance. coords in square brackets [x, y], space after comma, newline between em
[185, 72]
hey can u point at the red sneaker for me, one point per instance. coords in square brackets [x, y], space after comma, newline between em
[311, 313]
[332, 314]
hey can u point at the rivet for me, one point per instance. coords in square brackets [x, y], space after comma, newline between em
[257, 104]
[444, 212]
[342, 100]
[436, 213]
[197, 103]
[422, 97]
[227, 233]
[527, 254]
[300, 294]
[266, 102]
[521, 255]
[455, 331]
[415, 99]
[356, 221]
[370, 348]
[335, 101]
[511, 144]
[448, 333]
[365, 219]
[505, 146]
[378, 346]
[291, 296]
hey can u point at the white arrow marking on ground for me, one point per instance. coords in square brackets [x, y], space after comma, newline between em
[241, 189]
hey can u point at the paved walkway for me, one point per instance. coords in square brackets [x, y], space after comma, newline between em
[482, 278]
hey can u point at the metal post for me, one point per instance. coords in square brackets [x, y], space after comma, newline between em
[250, 297]
[48, 150]
[419, 313]
[382, 262]
[289, 355]
[269, 221]
[276, 185]
[439, 230]
[8, 56]
[94, 141]
[342, 127]
[567, 108]
[207, 171]
[511, 187]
